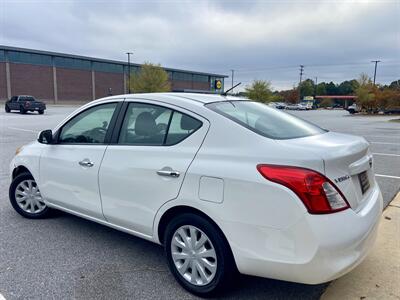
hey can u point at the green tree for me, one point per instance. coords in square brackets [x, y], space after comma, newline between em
[331, 88]
[307, 88]
[150, 79]
[259, 90]
[321, 89]
[347, 87]
[365, 93]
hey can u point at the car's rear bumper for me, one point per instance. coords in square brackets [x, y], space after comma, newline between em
[317, 249]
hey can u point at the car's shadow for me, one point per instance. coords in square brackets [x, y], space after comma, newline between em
[126, 258]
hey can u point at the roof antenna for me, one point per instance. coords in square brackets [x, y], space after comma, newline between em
[226, 92]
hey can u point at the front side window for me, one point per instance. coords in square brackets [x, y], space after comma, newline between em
[89, 127]
[265, 120]
[153, 125]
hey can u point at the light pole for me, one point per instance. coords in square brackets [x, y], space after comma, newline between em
[129, 71]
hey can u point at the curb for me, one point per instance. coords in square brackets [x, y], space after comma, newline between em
[378, 277]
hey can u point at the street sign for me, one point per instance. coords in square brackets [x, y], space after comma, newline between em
[218, 84]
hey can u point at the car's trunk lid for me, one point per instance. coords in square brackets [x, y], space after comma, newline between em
[347, 162]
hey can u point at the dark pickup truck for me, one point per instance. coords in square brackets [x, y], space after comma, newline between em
[24, 103]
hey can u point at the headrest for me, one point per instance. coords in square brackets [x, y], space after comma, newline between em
[145, 124]
[188, 123]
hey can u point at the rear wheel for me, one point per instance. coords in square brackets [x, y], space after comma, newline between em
[198, 255]
[26, 199]
[41, 111]
[7, 109]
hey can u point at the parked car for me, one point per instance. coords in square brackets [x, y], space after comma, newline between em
[352, 109]
[224, 184]
[24, 103]
[296, 107]
[280, 105]
[391, 111]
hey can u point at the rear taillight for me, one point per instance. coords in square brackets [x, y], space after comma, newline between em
[318, 193]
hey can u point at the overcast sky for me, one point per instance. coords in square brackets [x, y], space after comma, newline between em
[335, 40]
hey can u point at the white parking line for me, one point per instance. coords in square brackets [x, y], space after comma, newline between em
[386, 154]
[387, 176]
[2, 297]
[384, 143]
[22, 129]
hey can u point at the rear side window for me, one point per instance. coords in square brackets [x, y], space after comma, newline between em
[152, 125]
[181, 127]
[144, 124]
[265, 120]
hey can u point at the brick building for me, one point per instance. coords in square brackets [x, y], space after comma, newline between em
[60, 78]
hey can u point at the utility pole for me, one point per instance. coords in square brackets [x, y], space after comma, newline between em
[376, 64]
[129, 71]
[301, 73]
[233, 74]
[301, 77]
[315, 85]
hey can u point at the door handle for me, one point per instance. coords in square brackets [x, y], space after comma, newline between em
[168, 172]
[86, 163]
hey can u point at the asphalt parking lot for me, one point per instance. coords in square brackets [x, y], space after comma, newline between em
[67, 257]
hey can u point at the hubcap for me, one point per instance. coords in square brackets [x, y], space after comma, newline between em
[28, 197]
[194, 255]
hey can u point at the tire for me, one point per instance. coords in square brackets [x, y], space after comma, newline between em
[22, 110]
[211, 283]
[7, 109]
[41, 111]
[17, 188]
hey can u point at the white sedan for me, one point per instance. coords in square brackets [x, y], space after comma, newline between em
[224, 184]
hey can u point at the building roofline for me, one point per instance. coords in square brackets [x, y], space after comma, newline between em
[4, 47]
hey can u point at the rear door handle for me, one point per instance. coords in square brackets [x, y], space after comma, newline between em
[86, 163]
[168, 172]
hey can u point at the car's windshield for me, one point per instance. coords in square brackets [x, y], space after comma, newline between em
[265, 120]
[26, 99]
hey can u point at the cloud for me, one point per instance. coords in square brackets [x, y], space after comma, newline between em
[335, 40]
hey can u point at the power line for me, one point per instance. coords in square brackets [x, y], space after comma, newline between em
[251, 70]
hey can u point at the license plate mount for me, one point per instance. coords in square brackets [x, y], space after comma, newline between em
[364, 181]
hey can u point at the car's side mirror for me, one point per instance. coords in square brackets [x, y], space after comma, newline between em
[45, 137]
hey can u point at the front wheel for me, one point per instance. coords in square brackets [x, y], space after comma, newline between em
[26, 199]
[198, 255]
[7, 109]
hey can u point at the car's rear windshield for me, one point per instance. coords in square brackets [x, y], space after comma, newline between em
[264, 120]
